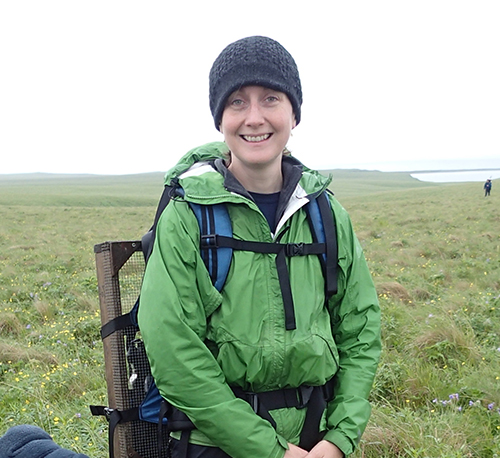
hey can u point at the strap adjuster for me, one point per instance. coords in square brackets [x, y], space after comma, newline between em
[108, 411]
[253, 400]
[103, 411]
[304, 395]
[209, 241]
[294, 249]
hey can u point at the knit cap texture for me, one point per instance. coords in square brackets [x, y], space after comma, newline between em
[256, 60]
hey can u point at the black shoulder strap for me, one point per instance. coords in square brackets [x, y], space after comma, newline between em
[330, 228]
[149, 238]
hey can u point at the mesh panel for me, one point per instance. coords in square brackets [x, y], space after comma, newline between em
[120, 267]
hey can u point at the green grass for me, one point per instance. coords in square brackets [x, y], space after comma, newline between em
[434, 252]
[80, 190]
[435, 257]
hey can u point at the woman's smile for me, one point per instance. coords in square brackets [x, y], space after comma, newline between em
[256, 123]
[256, 138]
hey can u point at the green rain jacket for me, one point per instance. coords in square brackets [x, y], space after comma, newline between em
[200, 342]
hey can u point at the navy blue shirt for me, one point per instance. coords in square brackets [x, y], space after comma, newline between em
[268, 204]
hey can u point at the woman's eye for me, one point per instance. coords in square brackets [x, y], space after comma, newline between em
[237, 102]
[272, 98]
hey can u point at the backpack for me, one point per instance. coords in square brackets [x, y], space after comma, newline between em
[146, 411]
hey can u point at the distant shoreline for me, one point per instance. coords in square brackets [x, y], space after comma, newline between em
[456, 170]
[458, 176]
[412, 173]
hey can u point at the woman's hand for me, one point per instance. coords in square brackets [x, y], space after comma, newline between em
[295, 452]
[322, 449]
[325, 449]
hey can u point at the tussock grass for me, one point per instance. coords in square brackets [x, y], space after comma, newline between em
[10, 324]
[435, 258]
[46, 309]
[13, 354]
[434, 253]
[395, 290]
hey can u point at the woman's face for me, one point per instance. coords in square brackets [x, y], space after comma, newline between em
[256, 124]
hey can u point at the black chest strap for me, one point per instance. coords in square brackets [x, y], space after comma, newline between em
[282, 251]
[323, 228]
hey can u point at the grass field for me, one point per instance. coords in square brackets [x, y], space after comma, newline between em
[434, 252]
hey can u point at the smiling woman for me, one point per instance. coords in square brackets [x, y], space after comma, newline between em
[294, 324]
[256, 123]
[277, 360]
[256, 98]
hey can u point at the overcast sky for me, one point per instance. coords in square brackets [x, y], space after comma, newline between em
[122, 86]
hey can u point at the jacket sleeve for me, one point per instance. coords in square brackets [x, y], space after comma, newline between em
[177, 296]
[355, 317]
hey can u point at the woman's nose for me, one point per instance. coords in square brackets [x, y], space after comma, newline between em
[255, 115]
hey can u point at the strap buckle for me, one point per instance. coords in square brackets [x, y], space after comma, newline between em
[209, 241]
[294, 249]
[253, 400]
[108, 411]
[103, 411]
[304, 394]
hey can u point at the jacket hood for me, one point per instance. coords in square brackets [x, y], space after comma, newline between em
[311, 181]
[204, 153]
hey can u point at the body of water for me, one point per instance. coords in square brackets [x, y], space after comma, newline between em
[457, 176]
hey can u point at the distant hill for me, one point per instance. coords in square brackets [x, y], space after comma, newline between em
[81, 190]
[145, 189]
[352, 182]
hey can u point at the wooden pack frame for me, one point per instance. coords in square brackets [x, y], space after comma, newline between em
[120, 268]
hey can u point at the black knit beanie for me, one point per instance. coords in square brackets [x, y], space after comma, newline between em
[258, 61]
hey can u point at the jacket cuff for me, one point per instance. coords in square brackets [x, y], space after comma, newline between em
[280, 448]
[339, 439]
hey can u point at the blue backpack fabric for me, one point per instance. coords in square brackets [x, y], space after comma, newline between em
[216, 248]
[27, 441]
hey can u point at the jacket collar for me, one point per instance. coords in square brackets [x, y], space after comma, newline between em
[292, 173]
[298, 181]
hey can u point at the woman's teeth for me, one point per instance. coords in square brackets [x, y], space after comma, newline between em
[258, 138]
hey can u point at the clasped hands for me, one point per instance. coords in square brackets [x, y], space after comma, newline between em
[323, 449]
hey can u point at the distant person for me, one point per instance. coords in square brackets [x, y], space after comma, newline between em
[487, 188]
